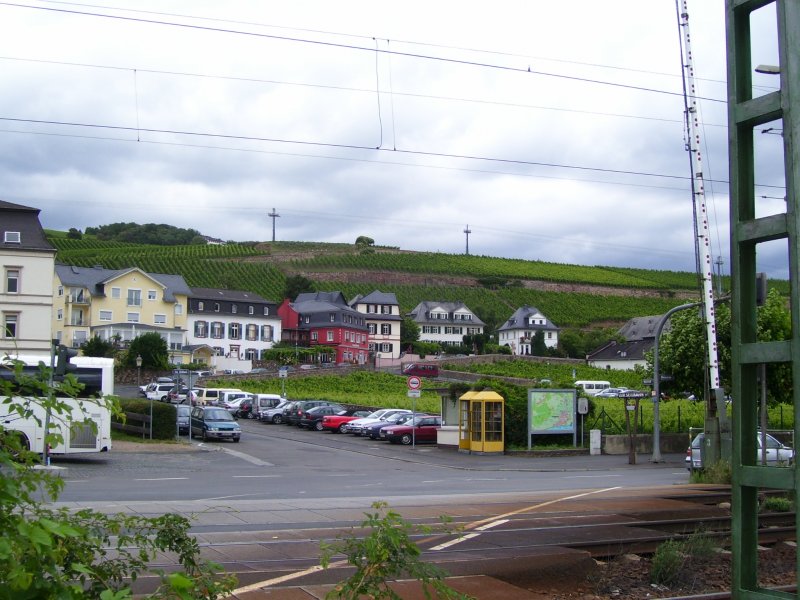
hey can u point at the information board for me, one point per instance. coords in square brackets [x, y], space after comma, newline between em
[551, 411]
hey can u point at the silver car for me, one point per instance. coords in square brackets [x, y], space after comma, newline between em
[778, 454]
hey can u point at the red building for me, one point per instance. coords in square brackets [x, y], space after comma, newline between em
[325, 319]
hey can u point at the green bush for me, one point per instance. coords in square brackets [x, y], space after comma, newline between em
[777, 504]
[719, 473]
[165, 416]
[671, 556]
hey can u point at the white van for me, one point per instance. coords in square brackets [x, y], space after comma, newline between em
[592, 387]
[211, 395]
[263, 402]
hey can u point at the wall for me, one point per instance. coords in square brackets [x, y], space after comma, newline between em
[671, 443]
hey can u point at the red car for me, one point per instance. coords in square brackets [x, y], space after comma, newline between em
[336, 423]
[423, 429]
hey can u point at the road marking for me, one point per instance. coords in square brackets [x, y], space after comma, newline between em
[492, 524]
[254, 476]
[590, 476]
[248, 458]
[163, 479]
[458, 540]
[290, 576]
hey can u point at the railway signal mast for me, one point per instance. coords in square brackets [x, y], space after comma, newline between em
[715, 404]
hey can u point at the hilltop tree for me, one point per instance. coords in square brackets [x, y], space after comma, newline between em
[150, 233]
[153, 350]
[297, 284]
[74, 234]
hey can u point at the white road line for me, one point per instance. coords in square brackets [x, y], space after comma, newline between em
[590, 476]
[254, 476]
[163, 479]
[492, 524]
[458, 540]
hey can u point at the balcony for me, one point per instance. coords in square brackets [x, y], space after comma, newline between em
[78, 321]
[81, 298]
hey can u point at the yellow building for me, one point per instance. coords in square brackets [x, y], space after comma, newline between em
[118, 304]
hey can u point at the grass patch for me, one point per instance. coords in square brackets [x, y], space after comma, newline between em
[776, 504]
[717, 473]
[121, 436]
[671, 557]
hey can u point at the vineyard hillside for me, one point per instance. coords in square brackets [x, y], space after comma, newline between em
[570, 295]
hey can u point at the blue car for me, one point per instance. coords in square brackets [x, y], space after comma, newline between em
[214, 423]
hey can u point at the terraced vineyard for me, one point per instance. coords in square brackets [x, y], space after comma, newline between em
[576, 296]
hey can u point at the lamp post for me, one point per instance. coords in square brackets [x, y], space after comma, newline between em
[138, 370]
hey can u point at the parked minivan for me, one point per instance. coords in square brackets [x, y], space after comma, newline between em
[421, 369]
[263, 402]
[592, 387]
[211, 395]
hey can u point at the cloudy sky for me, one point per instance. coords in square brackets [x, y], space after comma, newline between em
[552, 130]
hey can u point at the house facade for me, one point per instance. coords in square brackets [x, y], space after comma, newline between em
[118, 304]
[445, 322]
[383, 323]
[325, 319]
[519, 330]
[231, 323]
[27, 261]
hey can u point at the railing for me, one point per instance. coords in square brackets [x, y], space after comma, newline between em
[78, 299]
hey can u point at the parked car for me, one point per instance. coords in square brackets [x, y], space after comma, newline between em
[777, 453]
[338, 423]
[214, 422]
[307, 367]
[231, 400]
[178, 395]
[611, 392]
[356, 427]
[246, 409]
[184, 414]
[264, 402]
[295, 413]
[258, 371]
[374, 431]
[421, 369]
[275, 414]
[312, 418]
[159, 391]
[421, 430]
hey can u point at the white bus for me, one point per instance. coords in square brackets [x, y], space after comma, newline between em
[87, 425]
[592, 387]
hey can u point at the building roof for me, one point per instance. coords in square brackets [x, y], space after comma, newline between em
[95, 279]
[421, 312]
[623, 351]
[375, 297]
[519, 320]
[25, 221]
[228, 295]
[640, 328]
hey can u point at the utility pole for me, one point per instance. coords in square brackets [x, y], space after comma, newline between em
[273, 215]
[467, 231]
[719, 263]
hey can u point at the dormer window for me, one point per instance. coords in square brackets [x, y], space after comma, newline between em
[12, 237]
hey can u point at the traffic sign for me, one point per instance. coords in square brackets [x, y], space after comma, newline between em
[283, 372]
[631, 394]
[414, 393]
[414, 382]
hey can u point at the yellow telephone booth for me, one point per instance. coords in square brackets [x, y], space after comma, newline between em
[481, 421]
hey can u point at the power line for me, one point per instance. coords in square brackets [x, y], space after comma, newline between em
[358, 48]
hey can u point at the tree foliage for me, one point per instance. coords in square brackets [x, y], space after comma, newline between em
[55, 552]
[153, 350]
[682, 351]
[96, 346]
[150, 233]
[297, 284]
[409, 332]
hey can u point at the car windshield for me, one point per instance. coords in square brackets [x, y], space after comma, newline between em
[183, 410]
[218, 414]
[377, 414]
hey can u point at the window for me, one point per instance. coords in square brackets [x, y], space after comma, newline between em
[200, 329]
[266, 333]
[160, 319]
[307, 319]
[60, 314]
[314, 336]
[330, 336]
[61, 290]
[151, 294]
[347, 336]
[219, 351]
[371, 308]
[251, 333]
[217, 330]
[386, 329]
[234, 331]
[10, 323]
[372, 328]
[266, 310]
[234, 309]
[12, 281]
[13, 237]
[133, 317]
[106, 315]
[251, 354]
[134, 297]
[251, 310]
[386, 309]
[116, 293]
[178, 309]
[216, 306]
[386, 347]
[332, 317]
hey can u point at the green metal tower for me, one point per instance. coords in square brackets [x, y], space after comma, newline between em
[748, 231]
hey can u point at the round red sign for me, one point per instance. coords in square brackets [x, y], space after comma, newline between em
[414, 383]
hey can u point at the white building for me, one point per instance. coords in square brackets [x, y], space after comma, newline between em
[383, 323]
[445, 322]
[27, 261]
[233, 324]
[520, 328]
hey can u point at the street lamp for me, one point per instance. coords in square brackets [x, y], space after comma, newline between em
[139, 370]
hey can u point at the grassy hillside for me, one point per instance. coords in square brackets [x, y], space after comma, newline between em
[571, 295]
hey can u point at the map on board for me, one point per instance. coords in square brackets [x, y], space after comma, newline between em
[551, 411]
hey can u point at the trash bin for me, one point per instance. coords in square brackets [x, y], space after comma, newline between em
[595, 441]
